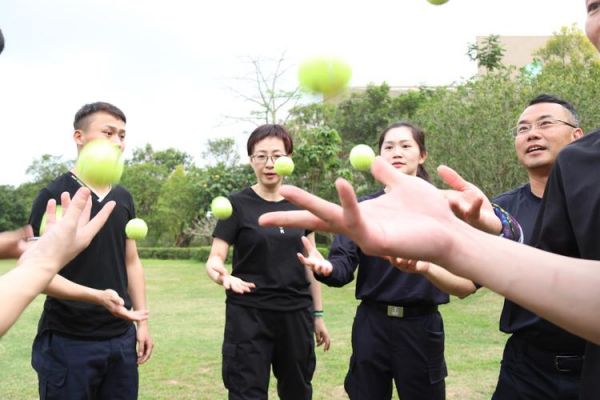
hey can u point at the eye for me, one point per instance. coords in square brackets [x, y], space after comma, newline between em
[523, 128]
[261, 157]
[545, 124]
[593, 6]
[406, 146]
[387, 147]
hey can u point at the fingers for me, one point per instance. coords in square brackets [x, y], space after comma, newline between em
[351, 211]
[452, 178]
[308, 246]
[237, 285]
[322, 209]
[93, 226]
[385, 173]
[294, 219]
[51, 212]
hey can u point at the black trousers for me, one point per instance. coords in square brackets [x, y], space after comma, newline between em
[255, 339]
[77, 369]
[406, 351]
[530, 373]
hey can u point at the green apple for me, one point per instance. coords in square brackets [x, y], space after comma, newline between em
[136, 229]
[361, 157]
[284, 166]
[437, 2]
[221, 207]
[326, 75]
[100, 163]
[59, 213]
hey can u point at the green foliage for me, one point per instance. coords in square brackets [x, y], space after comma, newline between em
[144, 182]
[46, 168]
[221, 151]
[176, 208]
[179, 253]
[169, 158]
[14, 211]
[569, 45]
[468, 129]
[488, 54]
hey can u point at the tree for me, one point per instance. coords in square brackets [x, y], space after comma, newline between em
[14, 209]
[269, 99]
[488, 54]
[569, 45]
[221, 151]
[176, 208]
[169, 158]
[46, 168]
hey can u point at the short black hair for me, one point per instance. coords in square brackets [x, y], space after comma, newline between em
[82, 116]
[548, 98]
[270, 130]
[1, 41]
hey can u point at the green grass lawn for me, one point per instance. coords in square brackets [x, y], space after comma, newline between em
[187, 318]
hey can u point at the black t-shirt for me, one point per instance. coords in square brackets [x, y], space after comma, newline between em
[265, 256]
[569, 223]
[101, 265]
[524, 206]
[377, 280]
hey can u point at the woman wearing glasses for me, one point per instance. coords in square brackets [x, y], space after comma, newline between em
[398, 333]
[273, 302]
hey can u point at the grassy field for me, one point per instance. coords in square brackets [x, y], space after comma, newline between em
[187, 318]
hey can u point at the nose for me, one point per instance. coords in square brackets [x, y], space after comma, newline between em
[116, 140]
[270, 161]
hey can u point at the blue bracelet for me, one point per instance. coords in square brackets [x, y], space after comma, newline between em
[511, 229]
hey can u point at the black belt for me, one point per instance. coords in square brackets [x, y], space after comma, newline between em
[401, 311]
[563, 362]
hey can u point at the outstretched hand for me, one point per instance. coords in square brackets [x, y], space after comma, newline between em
[313, 259]
[412, 220]
[66, 238]
[14, 243]
[468, 202]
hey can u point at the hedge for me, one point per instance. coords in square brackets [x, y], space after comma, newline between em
[189, 253]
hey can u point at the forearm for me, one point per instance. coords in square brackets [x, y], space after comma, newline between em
[315, 291]
[215, 269]
[539, 281]
[18, 288]
[137, 286]
[448, 282]
[64, 289]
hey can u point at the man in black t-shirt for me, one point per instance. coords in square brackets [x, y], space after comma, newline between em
[84, 347]
[540, 360]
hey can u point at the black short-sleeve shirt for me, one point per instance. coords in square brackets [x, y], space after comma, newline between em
[100, 266]
[265, 256]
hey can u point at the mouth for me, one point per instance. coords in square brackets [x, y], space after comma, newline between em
[534, 148]
[270, 174]
[398, 164]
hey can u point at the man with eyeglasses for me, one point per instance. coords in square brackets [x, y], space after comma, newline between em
[540, 360]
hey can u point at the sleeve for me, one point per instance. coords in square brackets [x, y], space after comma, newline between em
[227, 229]
[553, 230]
[343, 256]
[38, 209]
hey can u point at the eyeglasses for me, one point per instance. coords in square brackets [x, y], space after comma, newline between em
[523, 129]
[263, 158]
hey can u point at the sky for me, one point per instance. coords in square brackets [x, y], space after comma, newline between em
[177, 68]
